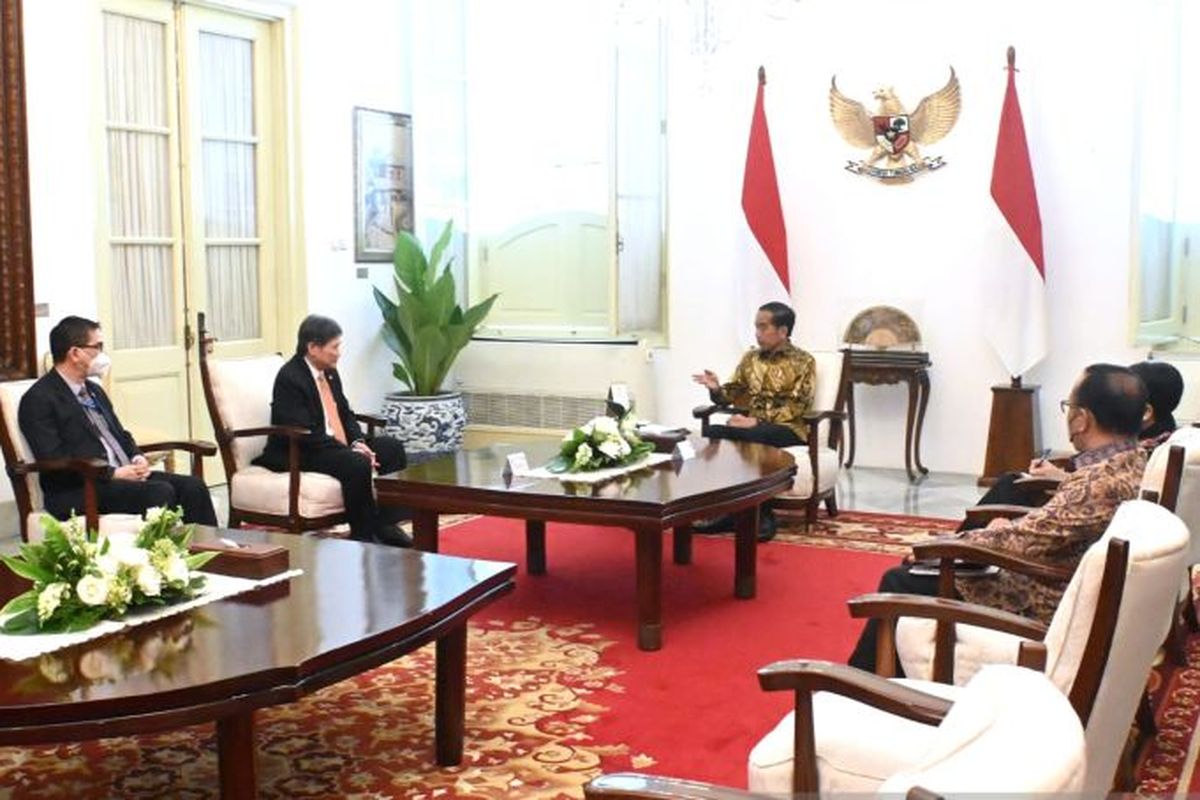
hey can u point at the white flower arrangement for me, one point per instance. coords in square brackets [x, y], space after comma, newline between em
[599, 443]
[80, 578]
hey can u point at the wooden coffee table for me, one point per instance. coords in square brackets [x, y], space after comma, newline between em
[724, 477]
[356, 607]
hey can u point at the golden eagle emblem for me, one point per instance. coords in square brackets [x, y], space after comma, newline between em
[892, 133]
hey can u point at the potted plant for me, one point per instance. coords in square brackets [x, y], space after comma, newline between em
[427, 329]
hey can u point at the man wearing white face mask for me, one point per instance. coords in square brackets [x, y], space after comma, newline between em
[65, 415]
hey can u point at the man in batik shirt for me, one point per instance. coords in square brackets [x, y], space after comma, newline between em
[774, 383]
[1104, 416]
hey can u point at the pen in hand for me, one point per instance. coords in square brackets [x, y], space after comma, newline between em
[1042, 458]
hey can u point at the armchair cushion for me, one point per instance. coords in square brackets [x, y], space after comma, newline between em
[11, 393]
[258, 489]
[828, 465]
[242, 388]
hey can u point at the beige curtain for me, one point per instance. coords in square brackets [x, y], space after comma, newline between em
[139, 183]
[229, 153]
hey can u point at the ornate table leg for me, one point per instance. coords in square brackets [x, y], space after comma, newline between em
[850, 422]
[745, 546]
[649, 587]
[535, 546]
[450, 696]
[908, 425]
[923, 378]
[235, 756]
[425, 530]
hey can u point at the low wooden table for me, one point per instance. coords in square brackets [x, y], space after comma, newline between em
[724, 477]
[356, 606]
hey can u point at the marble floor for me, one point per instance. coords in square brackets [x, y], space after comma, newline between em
[939, 494]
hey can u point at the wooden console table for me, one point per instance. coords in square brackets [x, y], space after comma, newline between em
[877, 367]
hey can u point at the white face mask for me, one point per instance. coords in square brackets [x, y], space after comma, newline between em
[99, 365]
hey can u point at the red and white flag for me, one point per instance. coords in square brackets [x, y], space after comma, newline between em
[760, 194]
[1016, 300]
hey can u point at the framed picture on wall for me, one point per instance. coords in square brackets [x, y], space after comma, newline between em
[383, 189]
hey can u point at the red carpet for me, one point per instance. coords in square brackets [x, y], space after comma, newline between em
[692, 709]
[557, 690]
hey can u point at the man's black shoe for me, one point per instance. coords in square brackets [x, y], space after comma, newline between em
[767, 525]
[393, 536]
[721, 524]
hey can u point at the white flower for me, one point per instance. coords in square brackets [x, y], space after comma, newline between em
[606, 426]
[623, 448]
[108, 564]
[175, 570]
[50, 598]
[611, 448]
[583, 455]
[93, 589]
[119, 594]
[148, 580]
[154, 514]
[629, 425]
[586, 428]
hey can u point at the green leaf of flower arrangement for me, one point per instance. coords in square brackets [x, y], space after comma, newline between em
[27, 568]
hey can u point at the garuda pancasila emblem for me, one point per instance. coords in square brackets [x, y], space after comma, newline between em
[892, 133]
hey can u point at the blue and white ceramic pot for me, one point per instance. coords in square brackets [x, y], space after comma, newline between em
[428, 426]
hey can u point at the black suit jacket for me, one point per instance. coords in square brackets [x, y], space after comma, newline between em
[295, 401]
[56, 426]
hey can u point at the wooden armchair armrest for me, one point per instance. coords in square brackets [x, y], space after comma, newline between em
[887, 606]
[88, 467]
[814, 419]
[196, 448]
[703, 413]
[982, 515]
[374, 422]
[290, 431]
[806, 677]
[816, 416]
[631, 786]
[949, 549]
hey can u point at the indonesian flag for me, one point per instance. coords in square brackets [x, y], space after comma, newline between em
[1016, 302]
[760, 194]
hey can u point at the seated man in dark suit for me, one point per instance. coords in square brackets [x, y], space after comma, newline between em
[308, 394]
[65, 415]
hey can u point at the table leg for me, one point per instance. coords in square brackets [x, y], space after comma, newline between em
[850, 422]
[535, 546]
[425, 530]
[745, 546]
[449, 713]
[908, 425]
[649, 587]
[923, 377]
[681, 544]
[235, 756]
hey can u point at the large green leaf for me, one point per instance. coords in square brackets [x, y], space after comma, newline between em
[439, 247]
[410, 264]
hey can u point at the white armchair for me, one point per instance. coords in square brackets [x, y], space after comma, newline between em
[238, 394]
[819, 462]
[1098, 649]
[1009, 732]
[23, 469]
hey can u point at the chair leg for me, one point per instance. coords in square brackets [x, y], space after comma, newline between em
[235, 519]
[1176, 643]
[1146, 724]
[831, 504]
[1189, 608]
[810, 512]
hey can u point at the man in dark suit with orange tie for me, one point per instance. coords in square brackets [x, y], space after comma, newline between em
[308, 394]
[65, 415]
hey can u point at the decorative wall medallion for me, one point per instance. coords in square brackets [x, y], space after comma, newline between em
[892, 133]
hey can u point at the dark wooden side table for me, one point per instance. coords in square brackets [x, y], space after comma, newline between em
[877, 367]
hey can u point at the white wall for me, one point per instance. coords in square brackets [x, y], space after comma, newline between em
[852, 242]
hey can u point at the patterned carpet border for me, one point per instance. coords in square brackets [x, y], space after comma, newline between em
[894, 534]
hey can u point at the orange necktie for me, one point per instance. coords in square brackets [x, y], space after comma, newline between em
[331, 412]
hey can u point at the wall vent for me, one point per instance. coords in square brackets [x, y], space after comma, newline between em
[551, 411]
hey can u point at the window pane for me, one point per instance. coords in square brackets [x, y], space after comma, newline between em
[229, 190]
[135, 71]
[227, 86]
[138, 184]
[142, 315]
[233, 292]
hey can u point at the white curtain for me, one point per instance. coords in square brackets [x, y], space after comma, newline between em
[229, 154]
[139, 182]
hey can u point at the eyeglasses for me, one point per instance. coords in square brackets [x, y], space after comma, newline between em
[98, 347]
[1063, 405]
